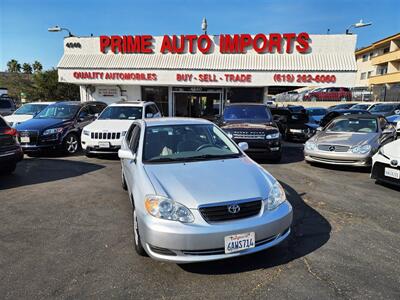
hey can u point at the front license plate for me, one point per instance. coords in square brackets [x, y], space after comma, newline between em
[295, 130]
[392, 173]
[104, 145]
[240, 242]
[25, 139]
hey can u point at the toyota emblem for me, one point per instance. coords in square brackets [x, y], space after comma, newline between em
[233, 209]
[394, 163]
[331, 148]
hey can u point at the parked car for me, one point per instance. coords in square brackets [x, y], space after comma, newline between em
[296, 108]
[7, 106]
[329, 94]
[315, 114]
[349, 140]
[340, 112]
[196, 196]
[299, 127]
[280, 116]
[395, 121]
[341, 106]
[105, 134]
[10, 150]
[26, 112]
[386, 109]
[253, 123]
[386, 164]
[58, 126]
[363, 106]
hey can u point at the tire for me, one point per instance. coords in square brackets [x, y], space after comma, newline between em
[314, 99]
[123, 181]
[343, 99]
[136, 235]
[71, 144]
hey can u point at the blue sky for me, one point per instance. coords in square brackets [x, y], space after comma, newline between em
[24, 23]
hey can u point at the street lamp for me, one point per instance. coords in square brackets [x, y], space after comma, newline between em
[58, 29]
[357, 25]
[204, 25]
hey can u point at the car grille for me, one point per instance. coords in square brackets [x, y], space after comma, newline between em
[378, 172]
[218, 213]
[105, 135]
[254, 135]
[328, 160]
[33, 136]
[333, 148]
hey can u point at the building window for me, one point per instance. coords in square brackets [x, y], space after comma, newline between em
[363, 76]
[157, 94]
[369, 74]
[365, 57]
[386, 50]
[371, 55]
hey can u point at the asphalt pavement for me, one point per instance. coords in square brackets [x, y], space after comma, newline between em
[66, 232]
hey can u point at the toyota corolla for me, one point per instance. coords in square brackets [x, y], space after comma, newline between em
[196, 196]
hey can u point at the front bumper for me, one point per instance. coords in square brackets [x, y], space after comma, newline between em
[264, 147]
[338, 158]
[186, 243]
[378, 172]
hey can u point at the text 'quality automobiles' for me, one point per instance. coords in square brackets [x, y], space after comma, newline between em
[349, 140]
[196, 196]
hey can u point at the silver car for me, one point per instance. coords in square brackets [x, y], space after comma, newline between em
[349, 140]
[196, 196]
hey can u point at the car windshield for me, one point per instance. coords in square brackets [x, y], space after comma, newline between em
[251, 113]
[316, 112]
[58, 111]
[30, 109]
[121, 113]
[360, 106]
[295, 109]
[360, 125]
[383, 108]
[176, 143]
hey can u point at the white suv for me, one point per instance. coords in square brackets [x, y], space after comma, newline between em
[105, 134]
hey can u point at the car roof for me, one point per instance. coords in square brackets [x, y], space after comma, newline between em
[245, 103]
[356, 116]
[42, 102]
[131, 103]
[307, 108]
[77, 103]
[173, 121]
[343, 111]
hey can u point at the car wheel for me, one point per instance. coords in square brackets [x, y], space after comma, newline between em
[136, 235]
[343, 99]
[314, 99]
[71, 144]
[123, 181]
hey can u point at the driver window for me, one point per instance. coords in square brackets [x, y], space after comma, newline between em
[84, 113]
[134, 141]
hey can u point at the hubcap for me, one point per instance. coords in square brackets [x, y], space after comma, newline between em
[135, 228]
[72, 144]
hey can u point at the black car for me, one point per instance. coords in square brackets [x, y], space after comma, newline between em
[385, 109]
[10, 150]
[340, 112]
[341, 106]
[253, 123]
[299, 127]
[58, 126]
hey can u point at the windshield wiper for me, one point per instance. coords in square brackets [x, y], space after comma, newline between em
[164, 159]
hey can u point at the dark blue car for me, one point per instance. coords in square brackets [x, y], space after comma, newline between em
[58, 126]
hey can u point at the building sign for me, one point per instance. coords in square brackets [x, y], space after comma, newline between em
[107, 91]
[228, 44]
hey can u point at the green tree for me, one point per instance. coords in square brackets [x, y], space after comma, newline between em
[27, 68]
[47, 88]
[13, 66]
[37, 66]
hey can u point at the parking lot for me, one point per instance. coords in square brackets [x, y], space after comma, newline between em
[66, 232]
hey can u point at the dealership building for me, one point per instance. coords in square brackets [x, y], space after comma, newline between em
[196, 75]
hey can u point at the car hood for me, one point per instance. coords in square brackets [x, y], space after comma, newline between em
[246, 125]
[109, 125]
[392, 149]
[18, 118]
[315, 118]
[392, 119]
[42, 124]
[345, 138]
[198, 183]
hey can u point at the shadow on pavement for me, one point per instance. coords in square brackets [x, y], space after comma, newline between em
[342, 168]
[291, 153]
[310, 231]
[40, 170]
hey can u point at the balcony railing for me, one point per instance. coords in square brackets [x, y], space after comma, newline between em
[386, 78]
[384, 58]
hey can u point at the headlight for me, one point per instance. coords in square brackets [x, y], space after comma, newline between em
[276, 196]
[361, 149]
[165, 208]
[272, 136]
[52, 131]
[86, 132]
[310, 146]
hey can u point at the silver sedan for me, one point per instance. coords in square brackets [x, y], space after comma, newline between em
[196, 196]
[349, 140]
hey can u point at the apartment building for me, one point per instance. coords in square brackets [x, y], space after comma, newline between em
[378, 67]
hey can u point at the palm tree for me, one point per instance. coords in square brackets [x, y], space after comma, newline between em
[27, 68]
[37, 66]
[13, 66]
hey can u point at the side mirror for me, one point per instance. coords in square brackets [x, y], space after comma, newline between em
[126, 154]
[397, 111]
[319, 128]
[243, 146]
[149, 115]
[96, 115]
